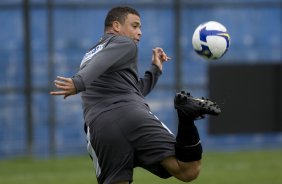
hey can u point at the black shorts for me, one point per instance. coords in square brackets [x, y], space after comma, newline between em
[127, 137]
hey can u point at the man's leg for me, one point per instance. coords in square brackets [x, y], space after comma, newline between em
[185, 165]
[111, 152]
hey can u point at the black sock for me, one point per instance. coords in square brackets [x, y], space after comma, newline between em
[187, 131]
[188, 145]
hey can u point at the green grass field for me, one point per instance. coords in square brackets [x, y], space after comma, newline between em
[245, 167]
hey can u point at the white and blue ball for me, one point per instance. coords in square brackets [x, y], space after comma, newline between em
[211, 40]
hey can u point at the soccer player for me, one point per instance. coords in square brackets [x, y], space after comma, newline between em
[122, 132]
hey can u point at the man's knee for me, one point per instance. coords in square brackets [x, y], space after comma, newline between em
[191, 172]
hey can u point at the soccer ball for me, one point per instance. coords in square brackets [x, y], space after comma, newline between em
[211, 40]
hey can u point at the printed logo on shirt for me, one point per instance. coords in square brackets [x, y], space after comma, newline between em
[91, 53]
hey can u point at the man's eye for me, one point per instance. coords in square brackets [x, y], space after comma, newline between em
[135, 26]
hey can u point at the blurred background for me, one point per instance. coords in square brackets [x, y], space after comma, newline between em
[41, 39]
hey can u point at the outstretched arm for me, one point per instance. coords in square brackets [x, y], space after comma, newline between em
[148, 82]
[65, 85]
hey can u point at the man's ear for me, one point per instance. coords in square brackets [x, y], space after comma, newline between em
[116, 26]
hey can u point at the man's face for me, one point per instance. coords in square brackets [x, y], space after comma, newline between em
[131, 27]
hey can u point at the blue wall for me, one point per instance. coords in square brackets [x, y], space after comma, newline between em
[256, 34]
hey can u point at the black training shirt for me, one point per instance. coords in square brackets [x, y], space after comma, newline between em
[108, 76]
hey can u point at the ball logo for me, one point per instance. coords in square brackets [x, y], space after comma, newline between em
[204, 33]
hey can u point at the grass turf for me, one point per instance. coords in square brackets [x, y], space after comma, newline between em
[245, 167]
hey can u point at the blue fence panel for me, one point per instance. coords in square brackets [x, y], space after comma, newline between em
[13, 125]
[70, 135]
[157, 31]
[78, 28]
[39, 44]
[75, 32]
[41, 124]
[11, 55]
